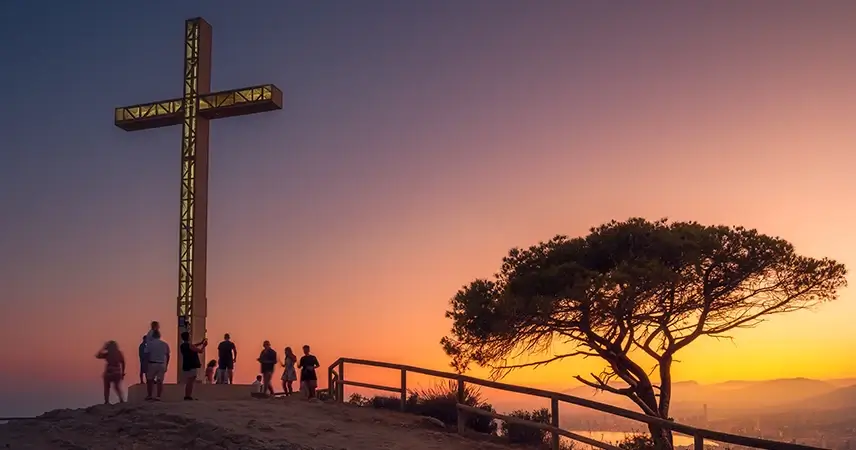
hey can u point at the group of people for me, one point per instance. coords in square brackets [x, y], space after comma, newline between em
[307, 364]
[154, 354]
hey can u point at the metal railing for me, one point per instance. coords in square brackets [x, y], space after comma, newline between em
[337, 382]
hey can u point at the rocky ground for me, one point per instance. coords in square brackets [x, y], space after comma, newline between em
[246, 425]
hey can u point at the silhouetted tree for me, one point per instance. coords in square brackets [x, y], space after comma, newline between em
[631, 290]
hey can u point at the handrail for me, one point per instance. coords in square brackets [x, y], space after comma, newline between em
[700, 434]
[540, 426]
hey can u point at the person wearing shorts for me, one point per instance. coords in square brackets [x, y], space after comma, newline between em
[227, 355]
[221, 375]
[308, 378]
[267, 360]
[114, 370]
[157, 361]
[190, 363]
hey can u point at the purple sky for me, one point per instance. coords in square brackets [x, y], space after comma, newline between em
[419, 141]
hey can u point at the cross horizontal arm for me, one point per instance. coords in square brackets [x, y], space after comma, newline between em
[150, 115]
[240, 102]
[235, 102]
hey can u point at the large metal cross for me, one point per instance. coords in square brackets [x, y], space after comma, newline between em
[193, 111]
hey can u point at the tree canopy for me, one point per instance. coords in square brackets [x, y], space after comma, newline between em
[631, 290]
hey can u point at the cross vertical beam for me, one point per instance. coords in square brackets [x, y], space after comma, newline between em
[193, 229]
[193, 111]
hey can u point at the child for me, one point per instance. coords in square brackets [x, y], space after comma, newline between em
[221, 376]
[209, 371]
[258, 386]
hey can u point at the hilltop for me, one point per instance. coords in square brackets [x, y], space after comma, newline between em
[245, 424]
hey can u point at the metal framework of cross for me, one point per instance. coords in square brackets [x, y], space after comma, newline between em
[193, 111]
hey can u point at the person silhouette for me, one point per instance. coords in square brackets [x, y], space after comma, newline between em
[143, 359]
[289, 375]
[114, 370]
[209, 371]
[190, 362]
[267, 360]
[155, 326]
[227, 354]
[308, 378]
[157, 362]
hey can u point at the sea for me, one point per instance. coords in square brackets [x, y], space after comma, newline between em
[614, 437]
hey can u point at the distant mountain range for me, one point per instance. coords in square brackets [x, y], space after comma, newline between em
[840, 398]
[689, 397]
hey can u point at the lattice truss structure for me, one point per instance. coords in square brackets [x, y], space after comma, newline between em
[193, 111]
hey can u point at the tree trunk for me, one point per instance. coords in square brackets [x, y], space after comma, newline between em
[645, 395]
[662, 437]
[665, 396]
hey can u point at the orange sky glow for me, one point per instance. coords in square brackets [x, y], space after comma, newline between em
[359, 254]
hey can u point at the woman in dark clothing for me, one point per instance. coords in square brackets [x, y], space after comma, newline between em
[268, 360]
[114, 370]
[308, 378]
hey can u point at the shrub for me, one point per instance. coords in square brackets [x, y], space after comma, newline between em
[359, 400]
[637, 442]
[394, 403]
[385, 402]
[522, 434]
[440, 402]
[323, 395]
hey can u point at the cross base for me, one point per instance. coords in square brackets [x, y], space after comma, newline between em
[175, 392]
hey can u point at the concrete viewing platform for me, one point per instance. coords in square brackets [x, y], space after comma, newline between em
[175, 392]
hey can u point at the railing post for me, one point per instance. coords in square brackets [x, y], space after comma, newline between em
[462, 416]
[554, 419]
[403, 390]
[698, 442]
[330, 391]
[340, 385]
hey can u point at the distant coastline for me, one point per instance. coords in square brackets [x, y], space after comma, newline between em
[615, 437]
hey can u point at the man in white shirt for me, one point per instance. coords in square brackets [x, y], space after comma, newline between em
[157, 355]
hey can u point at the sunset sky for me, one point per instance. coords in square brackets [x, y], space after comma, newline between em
[418, 142]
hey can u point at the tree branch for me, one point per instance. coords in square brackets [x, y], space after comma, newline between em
[626, 392]
[547, 361]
